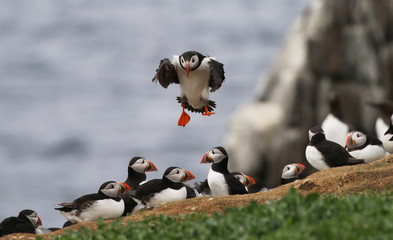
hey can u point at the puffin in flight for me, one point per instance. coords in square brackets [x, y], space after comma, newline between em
[107, 203]
[26, 222]
[196, 74]
[323, 154]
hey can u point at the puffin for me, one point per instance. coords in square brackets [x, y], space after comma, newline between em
[106, 204]
[26, 222]
[333, 125]
[203, 187]
[387, 139]
[196, 74]
[323, 154]
[136, 175]
[382, 122]
[221, 182]
[169, 188]
[291, 172]
[365, 147]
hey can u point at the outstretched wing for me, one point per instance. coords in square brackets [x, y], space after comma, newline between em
[166, 73]
[216, 74]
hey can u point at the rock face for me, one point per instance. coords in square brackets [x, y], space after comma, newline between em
[343, 46]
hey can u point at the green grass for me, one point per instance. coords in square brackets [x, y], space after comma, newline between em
[363, 216]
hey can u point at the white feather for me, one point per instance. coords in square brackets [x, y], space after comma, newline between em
[167, 195]
[105, 208]
[335, 130]
[217, 183]
[380, 128]
[315, 158]
[387, 144]
[369, 153]
[195, 87]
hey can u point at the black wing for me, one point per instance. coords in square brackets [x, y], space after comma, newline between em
[148, 189]
[80, 203]
[216, 75]
[336, 155]
[235, 186]
[166, 73]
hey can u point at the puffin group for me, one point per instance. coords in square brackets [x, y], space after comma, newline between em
[331, 145]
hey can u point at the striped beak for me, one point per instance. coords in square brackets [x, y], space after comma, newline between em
[299, 168]
[187, 176]
[150, 167]
[124, 188]
[187, 67]
[350, 141]
[248, 181]
[206, 158]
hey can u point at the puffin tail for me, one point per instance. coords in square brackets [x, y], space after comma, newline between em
[354, 161]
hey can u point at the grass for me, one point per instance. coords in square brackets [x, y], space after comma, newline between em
[367, 215]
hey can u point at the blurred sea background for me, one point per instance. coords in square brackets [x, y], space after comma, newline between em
[76, 97]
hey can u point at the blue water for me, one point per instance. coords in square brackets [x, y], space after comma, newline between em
[76, 97]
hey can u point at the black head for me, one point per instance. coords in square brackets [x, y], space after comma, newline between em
[176, 174]
[31, 216]
[316, 133]
[190, 60]
[215, 155]
[141, 165]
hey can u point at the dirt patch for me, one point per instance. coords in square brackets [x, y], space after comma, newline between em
[341, 180]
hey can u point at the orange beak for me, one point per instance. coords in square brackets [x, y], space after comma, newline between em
[301, 166]
[188, 176]
[39, 223]
[250, 181]
[125, 188]
[349, 142]
[188, 68]
[151, 167]
[206, 158]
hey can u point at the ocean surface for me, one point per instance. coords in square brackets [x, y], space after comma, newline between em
[76, 97]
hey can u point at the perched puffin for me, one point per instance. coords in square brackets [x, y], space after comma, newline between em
[221, 181]
[333, 125]
[26, 222]
[136, 175]
[195, 73]
[382, 123]
[204, 189]
[168, 189]
[387, 139]
[323, 154]
[107, 204]
[364, 147]
[291, 172]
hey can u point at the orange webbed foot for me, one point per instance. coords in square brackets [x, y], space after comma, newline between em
[207, 113]
[184, 118]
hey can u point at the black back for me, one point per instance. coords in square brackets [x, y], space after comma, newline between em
[150, 188]
[134, 178]
[20, 224]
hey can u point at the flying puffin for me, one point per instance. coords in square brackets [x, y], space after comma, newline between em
[106, 204]
[291, 172]
[26, 222]
[382, 122]
[168, 189]
[136, 175]
[387, 139]
[323, 154]
[364, 147]
[195, 73]
[333, 125]
[221, 181]
[204, 189]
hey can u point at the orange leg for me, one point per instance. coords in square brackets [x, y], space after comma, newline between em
[207, 113]
[184, 118]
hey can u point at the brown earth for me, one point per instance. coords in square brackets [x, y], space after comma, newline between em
[341, 180]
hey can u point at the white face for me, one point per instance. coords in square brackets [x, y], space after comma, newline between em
[176, 175]
[216, 155]
[33, 218]
[241, 178]
[356, 139]
[193, 63]
[289, 171]
[140, 165]
[113, 189]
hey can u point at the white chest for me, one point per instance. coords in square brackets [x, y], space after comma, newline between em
[315, 158]
[335, 130]
[369, 153]
[167, 195]
[106, 208]
[387, 144]
[217, 183]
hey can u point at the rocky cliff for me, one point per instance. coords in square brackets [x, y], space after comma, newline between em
[343, 46]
